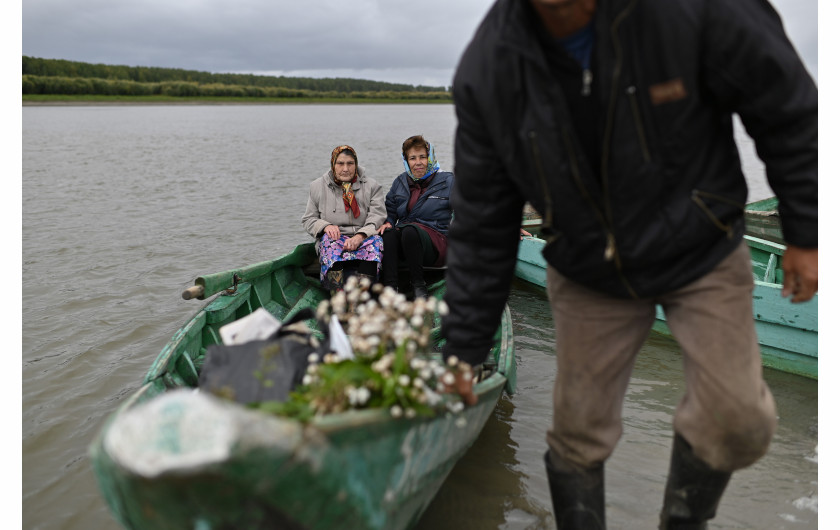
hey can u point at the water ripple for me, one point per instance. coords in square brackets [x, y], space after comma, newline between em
[124, 206]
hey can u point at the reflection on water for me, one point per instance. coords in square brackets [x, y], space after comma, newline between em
[124, 206]
[487, 487]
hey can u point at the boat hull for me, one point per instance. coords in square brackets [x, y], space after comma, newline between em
[761, 220]
[171, 457]
[375, 472]
[787, 333]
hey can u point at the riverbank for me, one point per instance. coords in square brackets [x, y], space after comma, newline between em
[29, 100]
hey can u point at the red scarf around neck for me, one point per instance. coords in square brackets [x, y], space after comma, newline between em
[349, 197]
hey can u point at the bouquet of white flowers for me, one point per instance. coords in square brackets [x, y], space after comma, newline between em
[390, 364]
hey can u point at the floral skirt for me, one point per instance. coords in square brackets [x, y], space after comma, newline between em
[332, 250]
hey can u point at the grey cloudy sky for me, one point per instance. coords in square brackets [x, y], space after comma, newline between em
[383, 40]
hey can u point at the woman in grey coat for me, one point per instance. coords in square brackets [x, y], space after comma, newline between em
[343, 213]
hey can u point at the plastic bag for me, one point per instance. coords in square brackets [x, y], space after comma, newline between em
[263, 370]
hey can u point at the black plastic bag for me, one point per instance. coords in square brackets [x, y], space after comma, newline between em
[263, 370]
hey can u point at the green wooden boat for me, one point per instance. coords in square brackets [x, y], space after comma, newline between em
[175, 457]
[761, 220]
[531, 220]
[787, 332]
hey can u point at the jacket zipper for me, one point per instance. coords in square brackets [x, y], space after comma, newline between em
[608, 130]
[637, 117]
[605, 216]
[573, 162]
[424, 196]
[611, 251]
[586, 87]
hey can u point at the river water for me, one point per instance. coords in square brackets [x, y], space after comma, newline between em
[123, 206]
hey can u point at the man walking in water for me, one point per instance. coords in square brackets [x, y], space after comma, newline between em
[614, 120]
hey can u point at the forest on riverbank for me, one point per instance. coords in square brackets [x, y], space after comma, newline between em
[59, 79]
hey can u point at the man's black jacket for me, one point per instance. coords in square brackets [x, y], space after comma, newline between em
[667, 202]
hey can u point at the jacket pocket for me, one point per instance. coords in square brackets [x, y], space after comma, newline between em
[721, 211]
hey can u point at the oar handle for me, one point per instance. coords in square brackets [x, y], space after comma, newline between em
[196, 291]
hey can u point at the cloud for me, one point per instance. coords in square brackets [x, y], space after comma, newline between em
[370, 39]
[800, 20]
[255, 35]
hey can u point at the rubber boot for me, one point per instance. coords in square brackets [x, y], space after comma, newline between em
[577, 496]
[371, 279]
[335, 281]
[420, 290]
[693, 490]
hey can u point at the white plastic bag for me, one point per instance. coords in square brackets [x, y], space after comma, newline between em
[339, 343]
[259, 325]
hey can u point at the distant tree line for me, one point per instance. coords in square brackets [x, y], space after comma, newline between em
[33, 84]
[59, 76]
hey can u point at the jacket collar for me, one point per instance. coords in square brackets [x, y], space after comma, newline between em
[519, 25]
[328, 177]
[518, 29]
[439, 181]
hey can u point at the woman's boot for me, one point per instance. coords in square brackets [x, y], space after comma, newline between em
[371, 279]
[693, 490]
[577, 496]
[335, 281]
[420, 290]
[390, 259]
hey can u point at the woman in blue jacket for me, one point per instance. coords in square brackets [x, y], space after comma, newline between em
[418, 216]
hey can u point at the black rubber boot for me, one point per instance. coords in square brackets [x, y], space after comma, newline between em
[371, 279]
[420, 290]
[390, 258]
[577, 496]
[693, 490]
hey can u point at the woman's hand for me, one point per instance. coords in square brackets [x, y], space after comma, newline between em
[384, 227]
[354, 242]
[333, 232]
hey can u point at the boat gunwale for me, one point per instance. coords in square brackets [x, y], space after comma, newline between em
[329, 423]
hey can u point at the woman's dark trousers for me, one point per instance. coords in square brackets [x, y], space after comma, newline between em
[402, 243]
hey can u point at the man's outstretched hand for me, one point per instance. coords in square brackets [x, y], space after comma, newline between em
[460, 381]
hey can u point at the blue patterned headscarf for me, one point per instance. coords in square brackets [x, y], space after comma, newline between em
[431, 168]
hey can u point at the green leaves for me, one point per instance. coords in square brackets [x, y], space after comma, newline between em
[392, 368]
